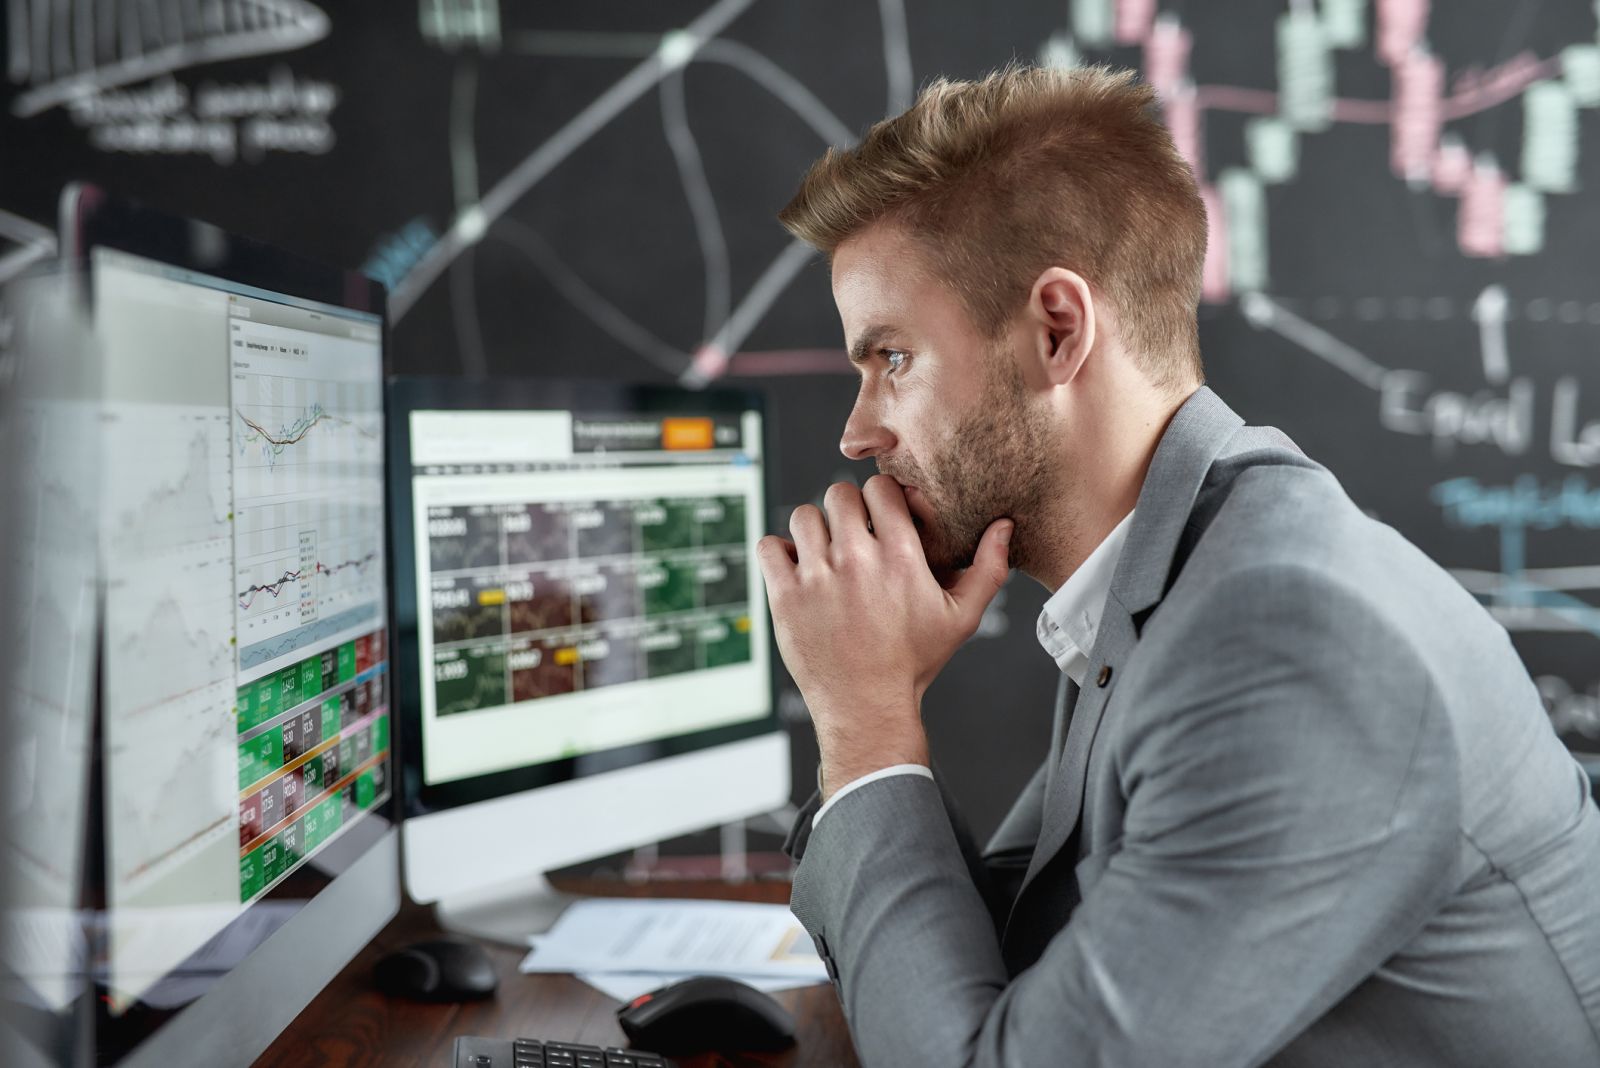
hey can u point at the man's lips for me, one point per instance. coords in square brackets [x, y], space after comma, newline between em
[902, 483]
[905, 487]
[916, 503]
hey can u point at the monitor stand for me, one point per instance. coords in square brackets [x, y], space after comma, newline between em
[508, 913]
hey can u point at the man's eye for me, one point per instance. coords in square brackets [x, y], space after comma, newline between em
[896, 360]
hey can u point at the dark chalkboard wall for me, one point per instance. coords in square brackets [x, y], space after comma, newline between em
[1404, 275]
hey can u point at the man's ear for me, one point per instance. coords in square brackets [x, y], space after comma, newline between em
[1061, 308]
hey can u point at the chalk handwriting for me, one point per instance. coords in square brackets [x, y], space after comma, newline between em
[226, 121]
[1524, 504]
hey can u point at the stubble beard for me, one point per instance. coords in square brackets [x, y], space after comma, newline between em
[995, 464]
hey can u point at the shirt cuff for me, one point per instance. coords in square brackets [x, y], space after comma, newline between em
[871, 776]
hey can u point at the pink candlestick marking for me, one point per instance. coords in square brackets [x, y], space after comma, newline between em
[1418, 115]
[1182, 112]
[1480, 220]
[1133, 20]
[1214, 278]
[1166, 56]
[1401, 24]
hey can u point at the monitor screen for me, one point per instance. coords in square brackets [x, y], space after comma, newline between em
[582, 575]
[244, 685]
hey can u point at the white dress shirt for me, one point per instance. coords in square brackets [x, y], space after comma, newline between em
[1067, 628]
[1070, 621]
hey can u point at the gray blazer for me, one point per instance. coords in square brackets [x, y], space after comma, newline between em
[1308, 811]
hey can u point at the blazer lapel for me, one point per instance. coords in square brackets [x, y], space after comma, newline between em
[1066, 701]
[1192, 441]
[1063, 799]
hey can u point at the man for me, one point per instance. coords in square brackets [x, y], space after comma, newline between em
[1302, 807]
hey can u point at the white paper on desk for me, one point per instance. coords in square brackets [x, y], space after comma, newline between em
[625, 986]
[738, 938]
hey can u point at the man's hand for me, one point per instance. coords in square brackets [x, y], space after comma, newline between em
[864, 626]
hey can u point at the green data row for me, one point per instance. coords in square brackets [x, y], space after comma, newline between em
[274, 694]
[267, 752]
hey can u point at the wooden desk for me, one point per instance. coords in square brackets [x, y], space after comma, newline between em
[351, 1024]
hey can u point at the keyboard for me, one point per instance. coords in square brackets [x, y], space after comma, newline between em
[473, 1052]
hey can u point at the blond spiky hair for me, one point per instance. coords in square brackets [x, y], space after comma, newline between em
[1026, 169]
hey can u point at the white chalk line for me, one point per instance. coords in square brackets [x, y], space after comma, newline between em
[1265, 313]
[469, 226]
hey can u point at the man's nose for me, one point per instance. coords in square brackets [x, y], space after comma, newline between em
[865, 436]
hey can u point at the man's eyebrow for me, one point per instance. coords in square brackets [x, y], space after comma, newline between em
[868, 340]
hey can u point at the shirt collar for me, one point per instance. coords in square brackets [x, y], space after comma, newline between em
[1071, 617]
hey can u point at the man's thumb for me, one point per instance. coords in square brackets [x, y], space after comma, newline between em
[990, 566]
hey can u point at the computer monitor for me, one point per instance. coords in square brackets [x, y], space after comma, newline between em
[583, 648]
[240, 844]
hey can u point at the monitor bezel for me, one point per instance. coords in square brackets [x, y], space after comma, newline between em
[408, 394]
[91, 217]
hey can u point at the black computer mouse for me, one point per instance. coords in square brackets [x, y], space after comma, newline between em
[441, 969]
[706, 1012]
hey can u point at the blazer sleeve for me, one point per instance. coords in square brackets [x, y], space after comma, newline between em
[1291, 815]
[996, 871]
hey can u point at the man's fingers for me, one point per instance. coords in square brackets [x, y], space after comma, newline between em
[777, 558]
[891, 516]
[810, 531]
[847, 516]
[990, 566]
[779, 544]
